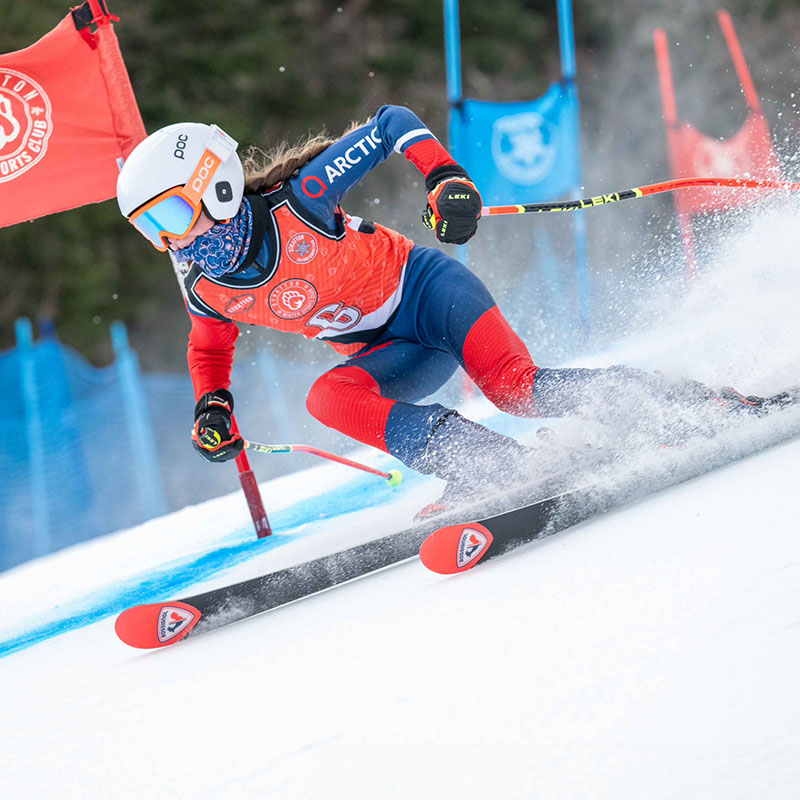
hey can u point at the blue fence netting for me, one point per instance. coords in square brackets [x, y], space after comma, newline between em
[87, 451]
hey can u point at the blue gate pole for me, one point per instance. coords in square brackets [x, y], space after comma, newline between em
[452, 54]
[33, 426]
[146, 471]
[566, 39]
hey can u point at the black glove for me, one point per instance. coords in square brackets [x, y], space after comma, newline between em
[212, 436]
[454, 204]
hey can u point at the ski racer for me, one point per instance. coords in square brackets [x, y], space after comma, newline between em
[268, 243]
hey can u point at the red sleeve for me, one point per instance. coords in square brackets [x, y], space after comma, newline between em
[427, 155]
[212, 343]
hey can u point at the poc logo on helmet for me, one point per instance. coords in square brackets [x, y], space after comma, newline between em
[203, 173]
[180, 146]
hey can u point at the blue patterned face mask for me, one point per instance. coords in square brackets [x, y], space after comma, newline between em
[223, 248]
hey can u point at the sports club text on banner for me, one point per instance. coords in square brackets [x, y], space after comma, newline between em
[523, 151]
[67, 115]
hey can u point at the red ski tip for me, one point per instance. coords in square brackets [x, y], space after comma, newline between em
[455, 548]
[157, 624]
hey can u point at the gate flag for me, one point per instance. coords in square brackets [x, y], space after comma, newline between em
[67, 116]
[749, 153]
[522, 152]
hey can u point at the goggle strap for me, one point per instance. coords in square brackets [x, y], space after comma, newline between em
[219, 147]
[201, 178]
[220, 144]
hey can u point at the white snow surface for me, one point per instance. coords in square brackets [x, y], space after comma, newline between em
[652, 652]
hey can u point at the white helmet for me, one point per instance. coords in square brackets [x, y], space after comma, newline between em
[174, 174]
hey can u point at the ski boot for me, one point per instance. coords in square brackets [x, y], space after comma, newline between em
[474, 460]
[754, 404]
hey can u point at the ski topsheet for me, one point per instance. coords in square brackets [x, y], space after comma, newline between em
[450, 545]
[161, 624]
[456, 548]
[462, 546]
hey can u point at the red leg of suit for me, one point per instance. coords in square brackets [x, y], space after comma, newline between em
[500, 364]
[349, 400]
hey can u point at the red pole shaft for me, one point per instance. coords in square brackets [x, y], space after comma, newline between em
[641, 191]
[252, 494]
[303, 448]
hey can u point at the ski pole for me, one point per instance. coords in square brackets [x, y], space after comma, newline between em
[641, 191]
[394, 477]
[252, 496]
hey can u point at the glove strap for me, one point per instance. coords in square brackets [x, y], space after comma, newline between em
[218, 400]
[444, 173]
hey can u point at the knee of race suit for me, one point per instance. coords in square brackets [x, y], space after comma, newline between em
[348, 399]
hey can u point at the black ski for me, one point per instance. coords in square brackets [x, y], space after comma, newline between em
[458, 547]
[556, 506]
[160, 624]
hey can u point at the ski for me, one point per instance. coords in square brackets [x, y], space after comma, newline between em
[447, 544]
[161, 624]
[457, 548]
[462, 546]
[157, 625]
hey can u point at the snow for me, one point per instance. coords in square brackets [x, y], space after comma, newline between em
[649, 652]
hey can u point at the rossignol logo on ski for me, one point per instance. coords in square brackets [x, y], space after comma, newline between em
[172, 622]
[470, 545]
[25, 123]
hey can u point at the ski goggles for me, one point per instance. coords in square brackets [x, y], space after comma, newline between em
[169, 214]
[175, 211]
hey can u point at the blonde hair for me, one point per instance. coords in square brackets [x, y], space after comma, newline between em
[262, 170]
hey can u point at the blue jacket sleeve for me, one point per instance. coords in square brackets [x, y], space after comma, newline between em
[323, 181]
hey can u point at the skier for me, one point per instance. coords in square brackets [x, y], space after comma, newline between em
[269, 244]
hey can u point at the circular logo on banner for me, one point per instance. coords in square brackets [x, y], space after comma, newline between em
[524, 147]
[292, 299]
[25, 123]
[301, 248]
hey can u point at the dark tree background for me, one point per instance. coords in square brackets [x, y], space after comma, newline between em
[268, 69]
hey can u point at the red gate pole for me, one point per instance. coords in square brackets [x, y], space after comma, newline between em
[671, 125]
[735, 49]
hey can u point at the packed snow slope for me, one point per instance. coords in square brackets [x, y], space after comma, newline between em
[650, 652]
[653, 652]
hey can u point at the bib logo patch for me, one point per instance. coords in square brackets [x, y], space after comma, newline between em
[292, 299]
[302, 248]
[172, 622]
[471, 544]
[240, 304]
[25, 123]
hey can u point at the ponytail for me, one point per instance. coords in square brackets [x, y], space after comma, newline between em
[263, 170]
